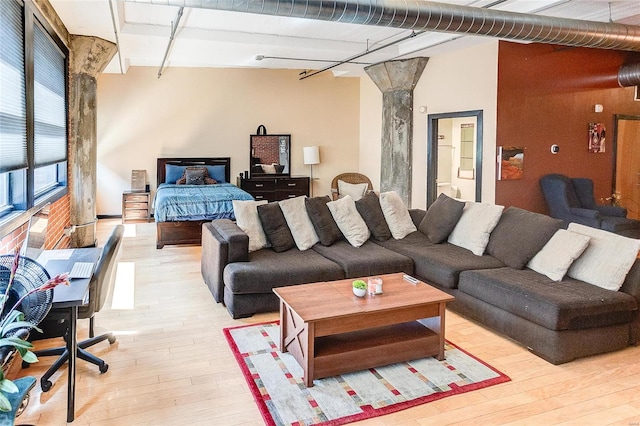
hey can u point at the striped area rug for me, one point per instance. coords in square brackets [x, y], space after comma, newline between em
[275, 380]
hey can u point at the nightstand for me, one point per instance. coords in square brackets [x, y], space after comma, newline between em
[136, 206]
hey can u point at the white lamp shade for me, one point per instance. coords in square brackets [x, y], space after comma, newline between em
[311, 155]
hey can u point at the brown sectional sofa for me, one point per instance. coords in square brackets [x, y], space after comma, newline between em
[559, 321]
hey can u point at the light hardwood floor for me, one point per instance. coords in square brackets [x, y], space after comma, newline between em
[171, 364]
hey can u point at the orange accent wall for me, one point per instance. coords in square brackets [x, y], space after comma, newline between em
[546, 95]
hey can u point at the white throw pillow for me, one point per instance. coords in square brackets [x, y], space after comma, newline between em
[355, 190]
[555, 258]
[349, 221]
[247, 219]
[396, 214]
[295, 213]
[607, 260]
[268, 168]
[475, 225]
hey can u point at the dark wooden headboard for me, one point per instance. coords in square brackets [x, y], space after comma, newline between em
[201, 161]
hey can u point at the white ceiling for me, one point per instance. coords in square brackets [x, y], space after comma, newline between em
[211, 38]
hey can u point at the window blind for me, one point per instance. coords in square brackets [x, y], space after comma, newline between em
[13, 109]
[50, 113]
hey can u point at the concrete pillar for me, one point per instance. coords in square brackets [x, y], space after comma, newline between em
[88, 56]
[396, 80]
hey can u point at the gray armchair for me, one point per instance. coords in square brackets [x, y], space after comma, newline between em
[572, 200]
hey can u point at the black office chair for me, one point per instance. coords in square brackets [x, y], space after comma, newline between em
[99, 289]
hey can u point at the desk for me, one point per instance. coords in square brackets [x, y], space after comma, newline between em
[70, 297]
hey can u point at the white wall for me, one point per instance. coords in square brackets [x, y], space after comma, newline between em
[458, 81]
[211, 112]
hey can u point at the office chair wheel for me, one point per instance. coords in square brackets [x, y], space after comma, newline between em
[112, 340]
[103, 367]
[46, 386]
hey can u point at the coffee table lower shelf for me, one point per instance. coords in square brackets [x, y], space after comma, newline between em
[374, 347]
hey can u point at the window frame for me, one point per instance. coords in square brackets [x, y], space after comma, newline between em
[20, 184]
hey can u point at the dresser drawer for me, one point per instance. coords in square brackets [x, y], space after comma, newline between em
[269, 196]
[293, 185]
[258, 185]
[136, 205]
[137, 198]
[136, 214]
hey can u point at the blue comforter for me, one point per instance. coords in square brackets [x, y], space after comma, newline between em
[174, 203]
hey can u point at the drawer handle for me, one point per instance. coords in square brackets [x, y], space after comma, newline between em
[291, 184]
[292, 196]
[259, 185]
[259, 197]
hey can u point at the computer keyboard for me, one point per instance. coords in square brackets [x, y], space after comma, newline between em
[81, 270]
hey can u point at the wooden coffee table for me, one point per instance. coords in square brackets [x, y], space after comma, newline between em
[330, 331]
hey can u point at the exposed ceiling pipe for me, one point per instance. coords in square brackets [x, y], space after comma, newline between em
[629, 75]
[115, 31]
[174, 28]
[421, 15]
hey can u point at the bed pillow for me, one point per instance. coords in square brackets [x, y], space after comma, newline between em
[247, 219]
[275, 227]
[519, 235]
[371, 212]
[475, 225]
[172, 173]
[217, 173]
[442, 216]
[607, 260]
[355, 190]
[195, 175]
[323, 223]
[349, 221]
[295, 213]
[396, 215]
[558, 254]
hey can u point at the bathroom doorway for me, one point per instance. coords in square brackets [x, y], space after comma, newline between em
[454, 155]
[626, 166]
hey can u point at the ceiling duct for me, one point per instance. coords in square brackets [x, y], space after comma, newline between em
[629, 75]
[421, 15]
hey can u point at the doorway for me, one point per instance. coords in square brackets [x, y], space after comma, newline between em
[626, 166]
[454, 155]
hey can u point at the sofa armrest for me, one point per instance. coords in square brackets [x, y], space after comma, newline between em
[222, 243]
[612, 211]
[417, 215]
[586, 213]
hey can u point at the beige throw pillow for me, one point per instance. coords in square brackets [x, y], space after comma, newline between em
[247, 219]
[295, 213]
[607, 260]
[475, 225]
[349, 221]
[396, 215]
[355, 190]
[558, 254]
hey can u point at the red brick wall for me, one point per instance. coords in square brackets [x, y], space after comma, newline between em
[266, 149]
[59, 218]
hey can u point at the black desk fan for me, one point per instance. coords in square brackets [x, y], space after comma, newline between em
[29, 275]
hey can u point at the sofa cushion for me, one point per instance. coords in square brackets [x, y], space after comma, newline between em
[442, 216]
[475, 225]
[519, 235]
[566, 305]
[267, 269]
[558, 254]
[396, 215]
[607, 259]
[275, 227]
[439, 264]
[247, 219]
[371, 212]
[323, 222]
[295, 213]
[349, 221]
[366, 260]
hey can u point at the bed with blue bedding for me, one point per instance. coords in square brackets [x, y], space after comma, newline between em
[180, 210]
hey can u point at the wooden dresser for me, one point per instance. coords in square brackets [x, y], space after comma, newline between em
[136, 206]
[275, 188]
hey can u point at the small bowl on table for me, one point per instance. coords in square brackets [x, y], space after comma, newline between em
[359, 288]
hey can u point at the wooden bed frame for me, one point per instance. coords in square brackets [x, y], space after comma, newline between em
[185, 232]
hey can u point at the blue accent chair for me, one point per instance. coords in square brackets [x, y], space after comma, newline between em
[572, 200]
